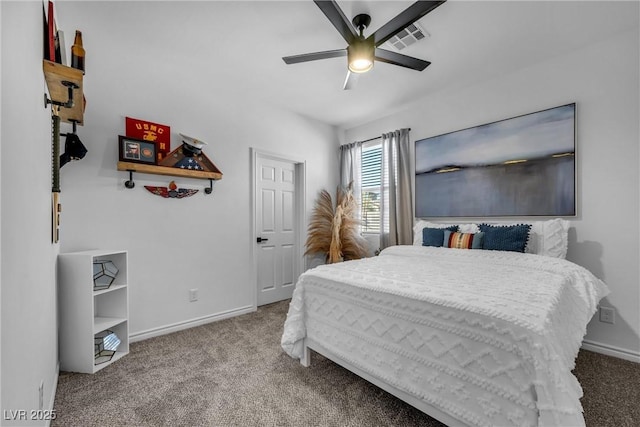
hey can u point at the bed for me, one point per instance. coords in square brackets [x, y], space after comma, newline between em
[470, 337]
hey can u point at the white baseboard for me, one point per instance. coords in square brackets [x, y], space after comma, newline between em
[175, 327]
[610, 350]
[52, 398]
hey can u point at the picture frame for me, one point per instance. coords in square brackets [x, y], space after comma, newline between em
[137, 150]
[520, 166]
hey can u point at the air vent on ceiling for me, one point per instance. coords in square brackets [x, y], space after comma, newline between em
[413, 33]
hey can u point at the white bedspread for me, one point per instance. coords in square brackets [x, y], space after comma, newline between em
[489, 337]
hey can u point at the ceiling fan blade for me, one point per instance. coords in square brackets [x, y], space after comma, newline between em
[351, 80]
[394, 58]
[332, 11]
[403, 20]
[305, 57]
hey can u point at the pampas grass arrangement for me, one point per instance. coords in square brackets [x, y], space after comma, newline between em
[334, 232]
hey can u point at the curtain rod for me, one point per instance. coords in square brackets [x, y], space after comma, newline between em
[373, 139]
[370, 139]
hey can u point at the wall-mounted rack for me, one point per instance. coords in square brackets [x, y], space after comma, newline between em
[67, 104]
[66, 91]
[169, 171]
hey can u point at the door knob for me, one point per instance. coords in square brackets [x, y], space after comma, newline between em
[260, 240]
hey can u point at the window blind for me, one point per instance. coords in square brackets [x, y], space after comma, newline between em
[371, 178]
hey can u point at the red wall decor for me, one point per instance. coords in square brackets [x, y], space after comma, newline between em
[149, 131]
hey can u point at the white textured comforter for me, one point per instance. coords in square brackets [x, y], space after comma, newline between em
[489, 337]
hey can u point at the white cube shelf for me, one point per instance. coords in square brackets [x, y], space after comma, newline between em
[83, 312]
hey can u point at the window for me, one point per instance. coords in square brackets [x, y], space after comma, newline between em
[371, 178]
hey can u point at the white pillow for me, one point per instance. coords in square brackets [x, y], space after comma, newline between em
[548, 238]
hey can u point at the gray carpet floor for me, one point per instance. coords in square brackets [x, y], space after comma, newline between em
[234, 373]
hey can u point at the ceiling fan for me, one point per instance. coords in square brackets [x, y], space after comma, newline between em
[361, 52]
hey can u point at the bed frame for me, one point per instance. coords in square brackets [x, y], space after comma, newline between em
[458, 361]
[310, 344]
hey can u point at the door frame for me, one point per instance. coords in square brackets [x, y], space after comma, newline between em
[300, 166]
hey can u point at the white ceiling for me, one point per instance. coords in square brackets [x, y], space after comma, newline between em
[241, 44]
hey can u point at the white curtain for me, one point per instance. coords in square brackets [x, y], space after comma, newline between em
[351, 168]
[395, 190]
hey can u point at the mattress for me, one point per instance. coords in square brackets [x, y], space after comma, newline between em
[487, 337]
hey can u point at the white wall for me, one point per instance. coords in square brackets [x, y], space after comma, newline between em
[174, 245]
[1, 406]
[29, 333]
[603, 80]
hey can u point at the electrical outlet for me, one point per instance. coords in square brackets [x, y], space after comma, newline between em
[193, 295]
[41, 395]
[608, 315]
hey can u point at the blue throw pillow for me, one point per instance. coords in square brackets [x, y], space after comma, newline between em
[435, 236]
[505, 237]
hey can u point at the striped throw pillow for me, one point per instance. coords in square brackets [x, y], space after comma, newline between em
[462, 240]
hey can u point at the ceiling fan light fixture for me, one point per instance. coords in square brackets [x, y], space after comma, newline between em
[360, 56]
[361, 52]
[360, 65]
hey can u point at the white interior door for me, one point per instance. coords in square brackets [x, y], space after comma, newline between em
[276, 229]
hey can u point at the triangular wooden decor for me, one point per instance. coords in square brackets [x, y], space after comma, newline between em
[177, 159]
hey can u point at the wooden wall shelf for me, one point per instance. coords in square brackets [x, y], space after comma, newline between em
[55, 74]
[170, 171]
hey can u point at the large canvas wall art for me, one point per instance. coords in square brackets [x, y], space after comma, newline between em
[523, 166]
